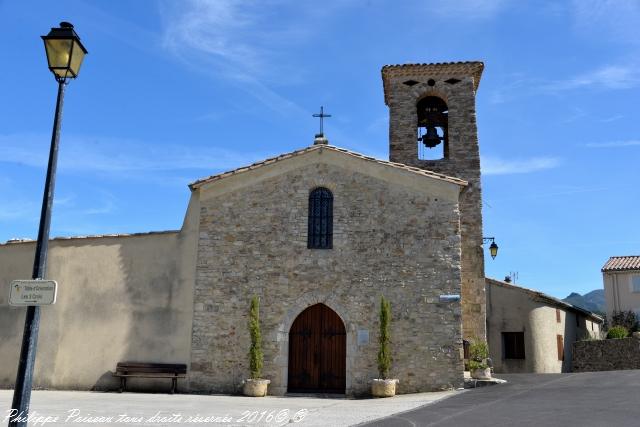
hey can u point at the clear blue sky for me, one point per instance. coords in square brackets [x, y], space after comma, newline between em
[174, 91]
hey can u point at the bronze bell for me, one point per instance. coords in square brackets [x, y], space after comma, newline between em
[431, 138]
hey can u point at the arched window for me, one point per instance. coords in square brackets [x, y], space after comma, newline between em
[320, 231]
[433, 132]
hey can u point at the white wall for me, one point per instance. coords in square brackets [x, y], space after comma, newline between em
[124, 298]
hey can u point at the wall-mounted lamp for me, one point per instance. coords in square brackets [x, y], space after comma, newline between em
[493, 248]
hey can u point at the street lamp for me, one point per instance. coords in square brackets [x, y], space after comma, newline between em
[64, 55]
[64, 50]
[493, 248]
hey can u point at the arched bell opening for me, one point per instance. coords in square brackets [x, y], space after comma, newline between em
[433, 128]
[317, 352]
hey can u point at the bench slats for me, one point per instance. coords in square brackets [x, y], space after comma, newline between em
[153, 371]
[152, 368]
[126, 370]
[149, 374]
[143, 365]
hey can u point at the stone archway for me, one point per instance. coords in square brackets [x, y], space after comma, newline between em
[317, 352]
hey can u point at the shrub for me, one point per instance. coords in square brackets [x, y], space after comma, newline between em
[384, 353]
[627, 319]
[473, 365]
[478, 353]
[588, 336]
[617, 332]
[256, 358]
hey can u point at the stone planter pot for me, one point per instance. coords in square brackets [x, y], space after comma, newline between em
[255, 388]
[481, 374]
[383, 388]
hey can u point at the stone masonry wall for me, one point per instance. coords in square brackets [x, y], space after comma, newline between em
[606, 355]
[388, 239]
[463, 162]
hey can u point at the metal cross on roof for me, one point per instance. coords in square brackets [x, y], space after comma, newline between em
[322, 115]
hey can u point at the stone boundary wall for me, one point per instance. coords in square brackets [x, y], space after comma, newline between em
[606, 355]
[120, 298]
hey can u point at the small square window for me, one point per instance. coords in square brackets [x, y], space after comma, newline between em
[635, 284]
[513, 345]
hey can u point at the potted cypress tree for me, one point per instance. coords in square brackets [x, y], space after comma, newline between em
[383, 386]
[255, 386]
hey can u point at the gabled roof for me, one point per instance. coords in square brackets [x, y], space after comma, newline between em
[449, 69]
[539, 296]
[622, 263]
[282, 157]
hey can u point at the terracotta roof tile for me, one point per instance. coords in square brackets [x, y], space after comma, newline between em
[200, 182]
[622, 263]
[544, 298]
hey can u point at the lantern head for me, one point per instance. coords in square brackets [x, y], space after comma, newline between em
[65, 52]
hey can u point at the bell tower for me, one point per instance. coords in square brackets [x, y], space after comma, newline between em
[432, 125]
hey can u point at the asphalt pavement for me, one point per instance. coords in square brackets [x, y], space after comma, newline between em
[601, 399]
[89, 409]
[593, 399]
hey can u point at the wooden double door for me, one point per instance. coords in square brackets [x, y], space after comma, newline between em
[317, 352]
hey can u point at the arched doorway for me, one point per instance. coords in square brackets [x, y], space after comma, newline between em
[317, 352]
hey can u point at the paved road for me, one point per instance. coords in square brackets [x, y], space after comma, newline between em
[92, 409]
[598, 399]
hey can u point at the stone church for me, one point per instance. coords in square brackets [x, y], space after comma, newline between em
[318, 234]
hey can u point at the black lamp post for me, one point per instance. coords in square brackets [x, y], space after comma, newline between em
[493, 248]
[64, 55]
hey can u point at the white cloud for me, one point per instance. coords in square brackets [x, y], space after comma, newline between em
[607, 19]
[117, 156]
[243, 39]
[5, 182]
[107, 205]
[18, 210]
[378, 125]
[66, 200]
[614, 144]
[467, 9]
[555, 191]
[246, 42]
[498, 166]
[612, 118]
[609, 77]
[218, 28]
[516, 84]
[576, 113]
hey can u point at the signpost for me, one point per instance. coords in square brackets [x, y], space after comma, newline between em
[33, 292]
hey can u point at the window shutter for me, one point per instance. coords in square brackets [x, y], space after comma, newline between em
[560, 343]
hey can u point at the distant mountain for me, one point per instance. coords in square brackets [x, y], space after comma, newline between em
[592, 301]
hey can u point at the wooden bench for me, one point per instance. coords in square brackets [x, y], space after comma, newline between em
[174, 371]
